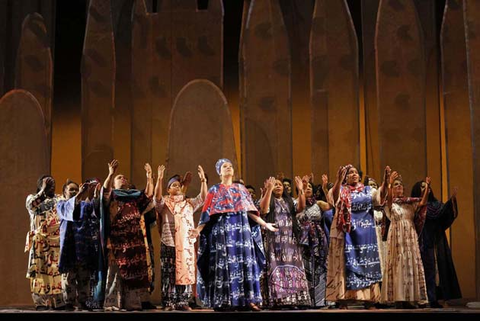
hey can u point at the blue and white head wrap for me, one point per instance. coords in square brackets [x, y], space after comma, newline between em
[220, 162]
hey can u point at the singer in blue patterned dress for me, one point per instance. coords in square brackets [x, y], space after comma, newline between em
[230, 259]
[354, 271]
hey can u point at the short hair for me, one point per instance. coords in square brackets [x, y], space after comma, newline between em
[250, 186]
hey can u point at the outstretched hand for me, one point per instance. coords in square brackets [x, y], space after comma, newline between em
[160, 171]
[148, 170]
[112, 167]
[201, 173]
[299, 183]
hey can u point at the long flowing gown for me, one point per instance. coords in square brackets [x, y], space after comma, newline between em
[353, 271]
[404, 279]
[230, 260]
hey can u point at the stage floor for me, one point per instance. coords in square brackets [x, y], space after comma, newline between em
[447, 313]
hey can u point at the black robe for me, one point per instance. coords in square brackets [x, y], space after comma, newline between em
[436, 254]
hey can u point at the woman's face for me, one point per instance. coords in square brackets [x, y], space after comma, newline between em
[352, 176]
[372, 183]
[424, 185]
[288, 187]
[397, 188]
[278, 188]
[70, 190]
[252, 193]
[226, 170]
[175, 188]
[121, 182]
[309, 190]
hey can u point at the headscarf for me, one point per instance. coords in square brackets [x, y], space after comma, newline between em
[175, 178]
[344, 218]
[220, 162]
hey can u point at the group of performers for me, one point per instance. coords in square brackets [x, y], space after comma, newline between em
[332, 246]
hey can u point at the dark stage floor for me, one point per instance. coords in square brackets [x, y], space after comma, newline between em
[450, 313]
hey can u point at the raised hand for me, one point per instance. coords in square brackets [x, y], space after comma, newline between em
[161, 171]
[342, 173]
[112, 167]
[91, 190]
[454, 193]
[201, 173]
[393, 177]
[299, 183]
[305, 180]
[387, 173]
[97, 190]
[148, 170]
[324, 180]
[270, 184]
[428, 180]
[47, 181]
[187, 179]
[311, 178]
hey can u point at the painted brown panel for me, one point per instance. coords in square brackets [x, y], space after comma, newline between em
[472, 37]
[369, 21]
[427, 11]
[298, 16]
[98, 92]
[23, 159]
[34, 68]
[200, 133]
[458, 140]
[197, 44]
[143, 86]
[401, 90]
[266, 114]
[334, 87]
[122, 26]
[161, 81]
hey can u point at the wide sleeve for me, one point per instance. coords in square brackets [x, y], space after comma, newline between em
[197, 202]
[143, 201]
[207, 206]
[67, 210]
[448, 213]
[33, 201]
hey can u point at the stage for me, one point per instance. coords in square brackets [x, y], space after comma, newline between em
[277, 315]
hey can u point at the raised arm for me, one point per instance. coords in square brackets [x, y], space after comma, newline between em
[341, 173]
[33, 201]
[112, 168]
[325, 184]
[391, 179]
[265, 203]
[301, 193]
[149, 186]
[424, 200]
[203, 182]
[386, 180]
[158, 186]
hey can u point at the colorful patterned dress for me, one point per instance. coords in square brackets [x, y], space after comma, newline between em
[404, 279]
[79, 232]
[287, 283]
[178, 259]
[229, 257]
[128, 268]
[354, 270]
[315, 253]
[43, 245]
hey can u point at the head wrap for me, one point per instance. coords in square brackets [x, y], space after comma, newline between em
[175, 178]
[220, 162]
